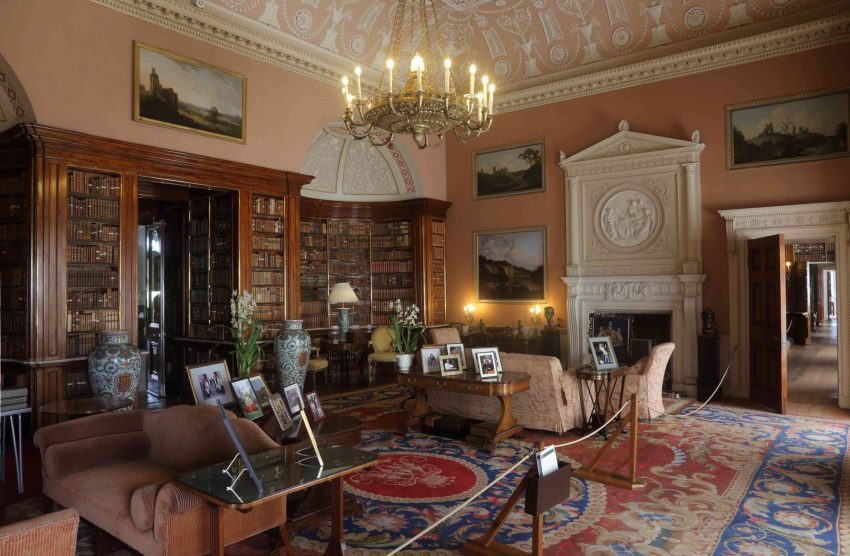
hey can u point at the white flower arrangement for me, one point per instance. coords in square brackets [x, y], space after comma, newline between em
[407, 330]
[246, 330]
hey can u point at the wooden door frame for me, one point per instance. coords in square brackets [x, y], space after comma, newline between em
[808, 222]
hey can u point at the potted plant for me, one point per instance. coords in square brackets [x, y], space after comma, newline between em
[246, 330]
[407, 332]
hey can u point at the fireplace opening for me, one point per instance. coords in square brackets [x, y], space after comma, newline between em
[634, 335]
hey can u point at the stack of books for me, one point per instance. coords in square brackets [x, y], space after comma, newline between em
[12, 398]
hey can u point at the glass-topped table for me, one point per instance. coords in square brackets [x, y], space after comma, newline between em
[486, 434]
[279, 476]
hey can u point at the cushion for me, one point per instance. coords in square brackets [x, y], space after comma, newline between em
[142, 505]
[382, 339]
[382, 357]
[444, 335]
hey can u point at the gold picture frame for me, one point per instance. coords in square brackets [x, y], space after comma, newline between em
[497, 187]
[536, 245]
[788, 134]
[159, 103]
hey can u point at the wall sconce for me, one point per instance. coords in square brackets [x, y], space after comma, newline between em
[469, 313]
[536, 313]
[787, 270]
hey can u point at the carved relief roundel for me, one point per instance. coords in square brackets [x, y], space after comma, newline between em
[628, 219]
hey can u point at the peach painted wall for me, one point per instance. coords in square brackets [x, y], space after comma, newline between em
[672, 108]
[75, 60]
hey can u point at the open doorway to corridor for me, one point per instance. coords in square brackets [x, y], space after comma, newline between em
[812, 322]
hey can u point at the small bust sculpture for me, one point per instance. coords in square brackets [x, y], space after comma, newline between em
[709, 323]
[549, 313]
[519, 326]
[481, 324]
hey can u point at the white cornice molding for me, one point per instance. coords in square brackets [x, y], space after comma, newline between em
[226, 29]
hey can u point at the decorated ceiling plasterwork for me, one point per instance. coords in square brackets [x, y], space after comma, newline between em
[353, 170]
[15, 107]
[540, 51]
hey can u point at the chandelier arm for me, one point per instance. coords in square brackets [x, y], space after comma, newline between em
[380, 143]
[360, 110]
[352, 126]
[392, 105]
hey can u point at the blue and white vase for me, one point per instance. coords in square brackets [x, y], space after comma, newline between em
[292, 353]
[115, 365]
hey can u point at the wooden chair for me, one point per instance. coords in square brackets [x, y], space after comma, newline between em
[317, 363]
[382, 348]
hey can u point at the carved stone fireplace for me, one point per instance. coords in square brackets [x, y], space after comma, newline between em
[634, 234]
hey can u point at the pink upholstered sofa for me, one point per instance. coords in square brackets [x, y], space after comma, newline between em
[116, 470]
[551, 404]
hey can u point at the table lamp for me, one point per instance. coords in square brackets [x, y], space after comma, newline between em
[342, 293]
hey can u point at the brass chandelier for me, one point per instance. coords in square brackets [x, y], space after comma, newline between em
[420, 108]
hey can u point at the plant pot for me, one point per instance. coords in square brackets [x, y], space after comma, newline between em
[404, 362]
[292, 353]
[115, 365]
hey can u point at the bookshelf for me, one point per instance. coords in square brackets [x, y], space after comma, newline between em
[314, 273]
[348, 261]
[391, 268]
[211, 273]
[385, 250]
[92, 257]
[268, 261]
[14, 232]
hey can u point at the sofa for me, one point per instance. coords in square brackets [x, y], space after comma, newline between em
[117, 470]
[54, 534]
[551, 404]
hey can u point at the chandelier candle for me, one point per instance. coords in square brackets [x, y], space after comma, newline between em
[359, 90]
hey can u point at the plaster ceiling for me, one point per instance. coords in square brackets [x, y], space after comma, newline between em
[528, 42]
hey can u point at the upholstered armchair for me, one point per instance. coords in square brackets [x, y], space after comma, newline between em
[382, 348]
[646, 379]
[444, 335]
[317, 363]
[54, 534]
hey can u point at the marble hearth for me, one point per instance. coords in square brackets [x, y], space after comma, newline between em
[634, 235]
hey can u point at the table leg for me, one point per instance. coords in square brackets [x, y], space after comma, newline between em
[216, 531]
[2, 448]
[581, 403]
[336, 544]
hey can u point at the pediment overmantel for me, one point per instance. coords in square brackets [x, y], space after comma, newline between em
[630, 150]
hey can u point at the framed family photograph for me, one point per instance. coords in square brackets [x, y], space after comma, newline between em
[430, 357]
[210, 382]
[488, 363]
[315, 407]
[457, 349]
[247, 399]
[178, 92]
[450, 365]
[510, 265]
[796, 128]
[281, 414]
[603, 354]
[509, 170]
[617, 326]
[294, 401]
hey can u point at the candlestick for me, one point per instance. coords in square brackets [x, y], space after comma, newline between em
[492, 90]
[357, 71]
[345, 85]
[350, 98]
[484, 81]
[390, 70]
[344, 97]
[472, 70]
[416, 64]
[479, 96]
[447, 77]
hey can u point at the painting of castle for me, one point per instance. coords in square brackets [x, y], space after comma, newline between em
[796, 129]
[187, 94]
[511, 265]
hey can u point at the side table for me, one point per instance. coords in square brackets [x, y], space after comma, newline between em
[598, 384]
[17, 443]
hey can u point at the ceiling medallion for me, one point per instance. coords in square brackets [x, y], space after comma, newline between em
[420, 108]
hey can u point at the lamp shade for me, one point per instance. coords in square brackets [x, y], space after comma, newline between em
[342, 293]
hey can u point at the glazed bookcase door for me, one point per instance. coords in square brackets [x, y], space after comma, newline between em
[268, 262]
[14, 270]
[436, 272]
[92, 258]
[349, 261]
[392, 268]
[314, 272]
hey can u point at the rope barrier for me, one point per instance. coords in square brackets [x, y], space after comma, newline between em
[497, 480]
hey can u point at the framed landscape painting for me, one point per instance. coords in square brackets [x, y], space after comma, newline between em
[509, 171]
[788, 129]
[174, 91]
[510, 265]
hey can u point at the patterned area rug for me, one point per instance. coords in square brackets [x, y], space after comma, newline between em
[726, 481]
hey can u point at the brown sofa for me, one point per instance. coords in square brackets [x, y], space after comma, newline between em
[116, 470]
[54, 534]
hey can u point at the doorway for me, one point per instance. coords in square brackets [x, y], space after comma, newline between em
[812, 328]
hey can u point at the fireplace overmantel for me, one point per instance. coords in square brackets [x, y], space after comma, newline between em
[634, 238]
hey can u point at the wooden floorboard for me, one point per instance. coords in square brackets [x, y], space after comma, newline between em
[813, 376]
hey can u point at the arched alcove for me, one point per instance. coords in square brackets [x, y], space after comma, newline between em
[15, 107]
[350, 170]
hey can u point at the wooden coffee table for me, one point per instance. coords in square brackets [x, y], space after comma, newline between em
[486, 434]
